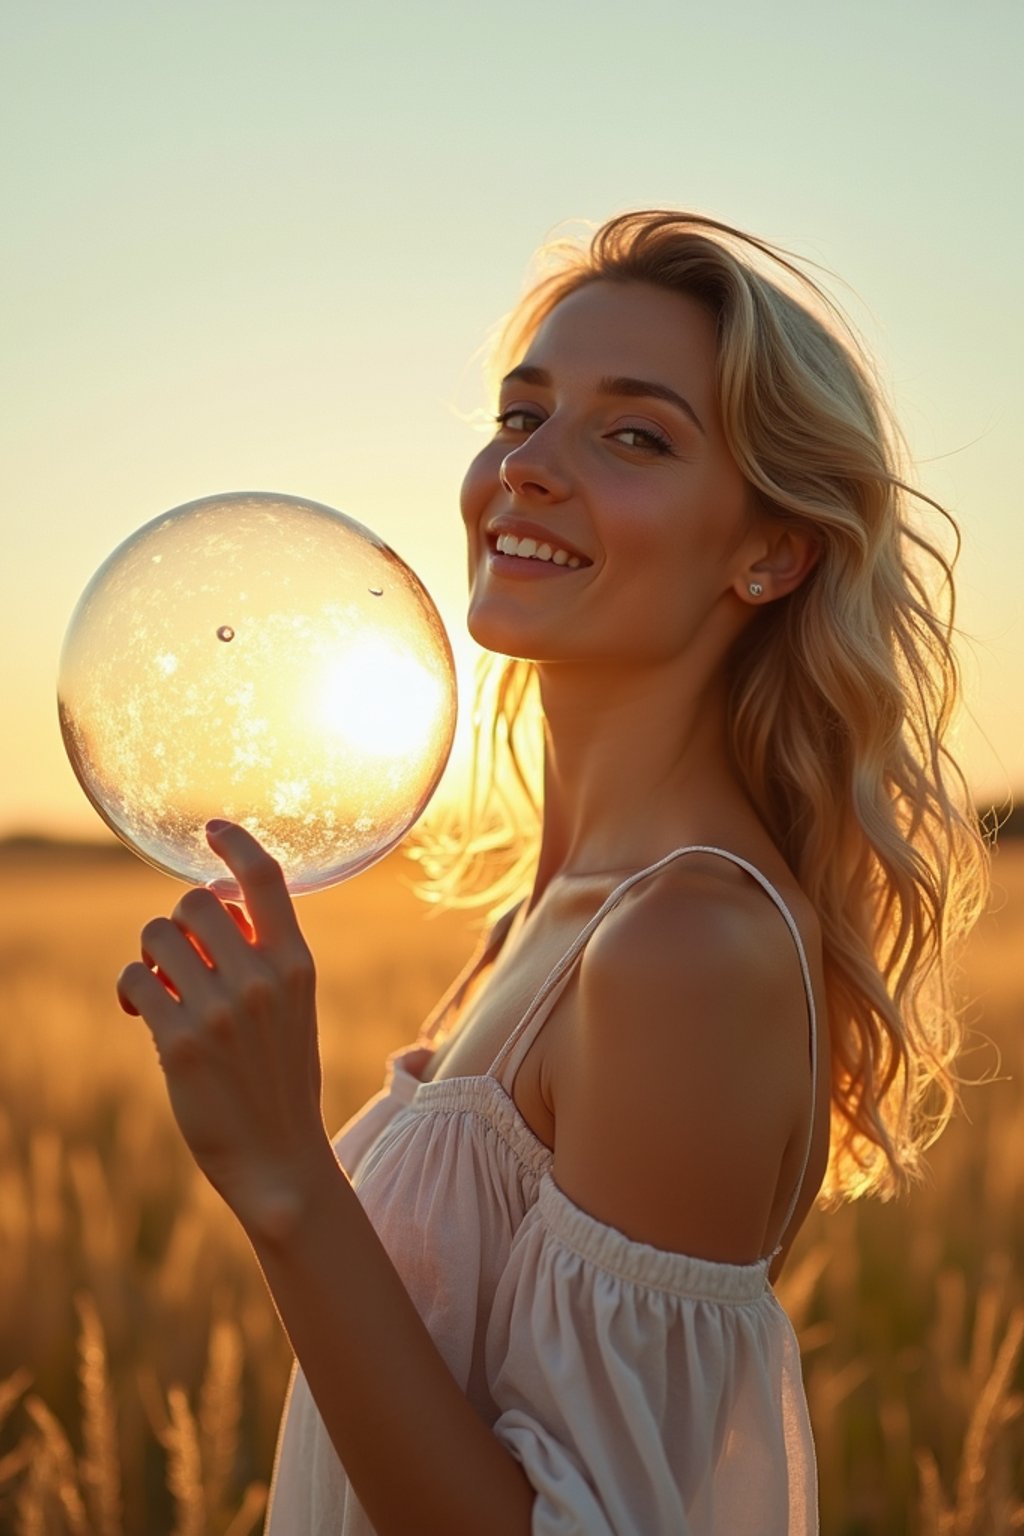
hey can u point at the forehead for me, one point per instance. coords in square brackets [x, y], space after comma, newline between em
[629, 329]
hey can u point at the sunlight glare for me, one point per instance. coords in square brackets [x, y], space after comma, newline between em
[380, 702]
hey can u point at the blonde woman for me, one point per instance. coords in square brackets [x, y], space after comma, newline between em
[541, 1299]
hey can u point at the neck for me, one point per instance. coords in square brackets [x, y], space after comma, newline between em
[636, 762]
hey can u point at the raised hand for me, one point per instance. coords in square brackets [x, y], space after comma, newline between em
[230, 1002]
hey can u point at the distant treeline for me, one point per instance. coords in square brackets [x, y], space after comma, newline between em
[997, 822]
[37, 845]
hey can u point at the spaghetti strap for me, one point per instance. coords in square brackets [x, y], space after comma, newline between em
[514, 1051]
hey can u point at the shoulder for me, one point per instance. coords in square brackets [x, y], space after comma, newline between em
[700, 930]
[685, 1075]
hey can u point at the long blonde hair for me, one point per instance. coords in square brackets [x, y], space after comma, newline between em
[841, 693]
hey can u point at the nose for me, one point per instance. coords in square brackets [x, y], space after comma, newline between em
[530, 473]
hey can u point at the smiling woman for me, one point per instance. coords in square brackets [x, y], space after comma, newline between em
[617, 467]
[539, 1296]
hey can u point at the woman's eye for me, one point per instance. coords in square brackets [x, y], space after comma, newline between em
[516, 419]
[643, 437]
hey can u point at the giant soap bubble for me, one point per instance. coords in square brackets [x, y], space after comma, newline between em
[268, 660]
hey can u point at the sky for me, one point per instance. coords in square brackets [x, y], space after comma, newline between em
[259, 247]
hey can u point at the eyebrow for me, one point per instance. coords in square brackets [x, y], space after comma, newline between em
[634, 388]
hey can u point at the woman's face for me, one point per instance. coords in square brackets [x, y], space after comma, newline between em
[606, 519]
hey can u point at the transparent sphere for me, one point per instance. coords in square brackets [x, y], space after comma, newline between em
[267, 660]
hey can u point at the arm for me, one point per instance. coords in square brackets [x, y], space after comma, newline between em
[232, 1014]
[417, 1454]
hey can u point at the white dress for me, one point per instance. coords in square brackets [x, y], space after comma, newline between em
[646, 1393]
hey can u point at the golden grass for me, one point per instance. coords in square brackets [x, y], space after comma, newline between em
[142, 1368]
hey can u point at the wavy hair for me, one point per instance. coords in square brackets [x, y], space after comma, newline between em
[842, 693]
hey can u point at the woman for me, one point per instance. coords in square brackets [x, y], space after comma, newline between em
[723, 988]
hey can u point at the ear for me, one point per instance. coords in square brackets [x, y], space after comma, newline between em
[787, 557]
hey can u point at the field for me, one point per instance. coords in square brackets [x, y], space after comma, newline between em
[142, 1367]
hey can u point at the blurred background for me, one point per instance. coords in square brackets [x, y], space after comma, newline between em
[260, 246]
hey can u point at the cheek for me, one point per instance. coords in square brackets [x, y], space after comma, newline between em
[647, 533]
[669, 555]
[478, 486]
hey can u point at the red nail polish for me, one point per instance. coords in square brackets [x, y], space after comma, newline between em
[217, 826]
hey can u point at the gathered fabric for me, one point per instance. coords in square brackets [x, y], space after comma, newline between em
[645, 1392]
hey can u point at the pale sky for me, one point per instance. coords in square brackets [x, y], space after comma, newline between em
[257, 246]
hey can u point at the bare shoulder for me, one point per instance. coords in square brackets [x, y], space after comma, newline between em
[683, 1084]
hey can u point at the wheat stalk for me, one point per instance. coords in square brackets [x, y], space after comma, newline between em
[220, 1410]
[934, 1513]
[797, 1286]
[184, 1470]
[13, 1389]
[974, 1512]
[30, 1510]
[993, 1409]
[99, 1467]
[983, 1339]
[15, 1462]
[253, 1504]
[57, 1467]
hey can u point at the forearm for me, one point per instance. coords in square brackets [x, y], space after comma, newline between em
[417, 1454]
[237, 1038]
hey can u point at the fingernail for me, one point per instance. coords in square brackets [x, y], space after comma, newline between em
[217, 826]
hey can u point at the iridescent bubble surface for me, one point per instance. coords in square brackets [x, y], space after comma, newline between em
[320, 717]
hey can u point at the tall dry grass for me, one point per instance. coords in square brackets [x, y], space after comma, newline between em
[141, 1365]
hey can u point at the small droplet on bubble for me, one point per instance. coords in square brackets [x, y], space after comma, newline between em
[225, 632]
[375, 591]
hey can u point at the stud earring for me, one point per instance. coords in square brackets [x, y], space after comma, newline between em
[755, 589]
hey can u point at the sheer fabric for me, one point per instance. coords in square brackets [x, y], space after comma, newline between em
[646, 1393]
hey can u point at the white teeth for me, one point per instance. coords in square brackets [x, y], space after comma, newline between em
[529, 549]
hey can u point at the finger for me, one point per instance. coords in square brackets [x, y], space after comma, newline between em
[209, 926]
[141, 994]
[167, 950]
[161, 976]
[241, 920]
[261, 881]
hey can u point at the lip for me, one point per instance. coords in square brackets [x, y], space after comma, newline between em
[521, 528]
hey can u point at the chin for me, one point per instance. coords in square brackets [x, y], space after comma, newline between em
[505, 633]
[492, 632]
[499, 639]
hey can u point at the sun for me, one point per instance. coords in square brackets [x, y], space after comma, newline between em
[379, 701]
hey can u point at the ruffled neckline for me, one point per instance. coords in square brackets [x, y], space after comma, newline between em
[596, 1242]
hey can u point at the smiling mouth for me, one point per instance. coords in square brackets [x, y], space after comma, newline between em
[536, 549]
